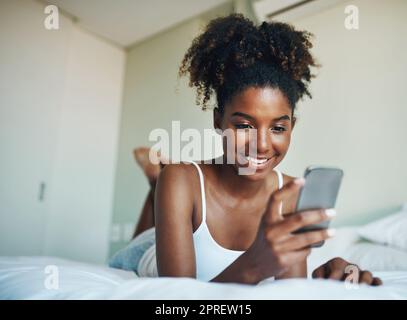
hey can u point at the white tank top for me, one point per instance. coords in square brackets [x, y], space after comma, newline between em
[212, 258]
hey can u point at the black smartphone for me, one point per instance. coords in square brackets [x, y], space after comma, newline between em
[320, 191]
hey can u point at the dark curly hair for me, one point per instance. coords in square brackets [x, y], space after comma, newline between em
[233, 54]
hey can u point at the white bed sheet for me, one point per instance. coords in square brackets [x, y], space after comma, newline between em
[395, 287]
[24, 277]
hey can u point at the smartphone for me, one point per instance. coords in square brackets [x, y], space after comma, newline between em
[320, 191]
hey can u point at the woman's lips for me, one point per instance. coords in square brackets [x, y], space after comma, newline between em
[257, 163]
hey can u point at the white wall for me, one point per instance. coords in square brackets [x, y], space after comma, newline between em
[32, 67]
[60, 109]
[357, 118]
[82, 184]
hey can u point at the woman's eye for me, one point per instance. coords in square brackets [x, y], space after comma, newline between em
[243, 126]
[278, 129]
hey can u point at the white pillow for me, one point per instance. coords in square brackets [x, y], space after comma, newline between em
[391, 231]
[376, 257]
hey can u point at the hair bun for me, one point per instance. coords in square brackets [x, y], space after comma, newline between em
[232, 44]
[290, 48]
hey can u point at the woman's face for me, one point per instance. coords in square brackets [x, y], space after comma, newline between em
[257, 151]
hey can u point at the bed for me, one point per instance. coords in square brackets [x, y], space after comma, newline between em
[25, 278]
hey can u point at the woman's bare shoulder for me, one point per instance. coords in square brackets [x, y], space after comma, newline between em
[287, 178]
[179, 180]
[175, 193]
[179, 176]
[290, 204]
[177, 170]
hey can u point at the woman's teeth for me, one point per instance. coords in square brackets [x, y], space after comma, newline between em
[256, 161]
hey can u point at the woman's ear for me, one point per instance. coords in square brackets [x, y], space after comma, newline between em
[217, 119]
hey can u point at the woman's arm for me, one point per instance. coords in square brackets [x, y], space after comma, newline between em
[275, 251]
[174, 205]
[175, 252]
[297, 271]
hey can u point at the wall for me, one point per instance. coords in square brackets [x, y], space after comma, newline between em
[356, 119]
[32, 67]
[60, 102]
[81, 194]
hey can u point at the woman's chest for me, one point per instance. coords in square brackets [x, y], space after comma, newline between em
[232, 223]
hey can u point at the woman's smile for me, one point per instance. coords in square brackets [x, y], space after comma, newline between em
[257, 163]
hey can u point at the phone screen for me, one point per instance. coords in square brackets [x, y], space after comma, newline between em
[319, 192]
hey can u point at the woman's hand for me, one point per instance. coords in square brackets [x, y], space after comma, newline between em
[340, 269]
[276, 248]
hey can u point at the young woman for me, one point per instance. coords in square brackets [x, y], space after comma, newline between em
[213, 223]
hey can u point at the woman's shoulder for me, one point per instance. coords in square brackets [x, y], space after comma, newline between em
[176, 192]
[287, 178]
[290, 204]
[179, 168]
[180, 177]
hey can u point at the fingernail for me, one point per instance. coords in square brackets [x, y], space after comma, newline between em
[330, 213]
[330, 232]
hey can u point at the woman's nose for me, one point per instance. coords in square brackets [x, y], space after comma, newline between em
[263, 141]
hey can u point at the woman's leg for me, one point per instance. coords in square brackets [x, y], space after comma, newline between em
[146, 220]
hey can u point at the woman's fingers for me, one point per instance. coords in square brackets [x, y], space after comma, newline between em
[273, 211]
[291, 258]
[336, 274]
[319, 273]
[365, 277]
[340, 269]
[303, 219]
[304, 240]
[377, 282]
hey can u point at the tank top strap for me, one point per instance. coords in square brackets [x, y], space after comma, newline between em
[202, 186]
[203, 198]
[280, 178]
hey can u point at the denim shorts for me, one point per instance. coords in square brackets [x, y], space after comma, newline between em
[129, 257]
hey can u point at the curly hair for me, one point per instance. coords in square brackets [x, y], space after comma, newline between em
[233, 54]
